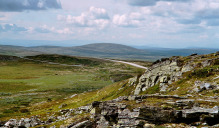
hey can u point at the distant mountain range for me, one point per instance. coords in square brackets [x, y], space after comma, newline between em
[103, 50]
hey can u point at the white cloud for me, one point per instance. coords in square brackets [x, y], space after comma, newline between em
[94, 17]
[128, 20]
[64, 31]
[205, 36]
[40, 4]
[98, 13]
[47, 29]
[146, 10]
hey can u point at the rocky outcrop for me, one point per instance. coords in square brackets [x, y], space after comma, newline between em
[26, 123]
[201, 86]
[64, 115]
[207, 115]
[109, 113]
[162, 73]
[167, 71]
[114, 114]
[118, 113]
[132, 81]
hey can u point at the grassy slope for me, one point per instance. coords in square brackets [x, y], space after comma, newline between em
[52, 107]
[24, 83]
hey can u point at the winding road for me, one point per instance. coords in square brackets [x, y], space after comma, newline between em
[129, 63]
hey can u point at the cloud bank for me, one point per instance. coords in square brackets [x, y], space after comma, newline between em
[150, 2]
[22, 5]
[11, 28]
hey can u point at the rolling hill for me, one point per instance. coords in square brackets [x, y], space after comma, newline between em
[103, 50]
[94, 50]
[16, 50]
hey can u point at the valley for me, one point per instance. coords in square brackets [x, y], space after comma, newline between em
[107, 93]
[109, 64]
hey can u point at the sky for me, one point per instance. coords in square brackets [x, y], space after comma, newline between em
[153, 23]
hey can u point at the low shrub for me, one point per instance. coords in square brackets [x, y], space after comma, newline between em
[8, 111]
[201, 73]
[24, 110]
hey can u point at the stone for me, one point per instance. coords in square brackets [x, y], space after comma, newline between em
[73, 95]
[27, 122]
[149, 125]
[121, 105]
[138, 101]
[187, 68]
[63, 105]
[64, 111]
[200, 86]
[138, 89]
[102, 123]
[84, 124]
[21, 123]
[206, 63]
[132, 81]
[216, 125]
[185, 103]
[163, 87]
[11, 123]
[208, 115]
[194, 54]
[132, 97]
[121, 98]
[163, 79]
[217, 77]
[84, 108]
[158, 114]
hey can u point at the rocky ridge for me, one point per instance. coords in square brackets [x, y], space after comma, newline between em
[119, 113]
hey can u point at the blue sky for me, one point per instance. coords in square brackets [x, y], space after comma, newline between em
[156, 23]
